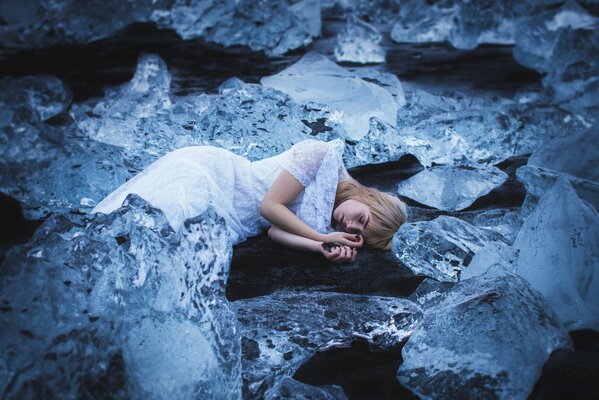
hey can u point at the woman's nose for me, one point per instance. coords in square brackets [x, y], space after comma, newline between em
[353, 227]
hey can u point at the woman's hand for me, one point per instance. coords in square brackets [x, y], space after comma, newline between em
[338, 253]
[345, 238]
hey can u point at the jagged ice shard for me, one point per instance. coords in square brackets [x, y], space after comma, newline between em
[486, 337]
[359, 42]
[315, 80]
[452, 188]
[441, 248]
[120, 286]
[559, 255]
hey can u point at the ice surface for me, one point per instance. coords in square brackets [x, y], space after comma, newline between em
[47, 96]
[46, 168]
[248, 119]
[541, 123]
[441, 248]
[450, 188]
[494, 260]
[86, 289]
[45, 23]
[272, 26]
[563, 43]
[538, 180]
[576, 154]
[282, 330]
[559, 255]
[359, 42]
[381, 144]
[314, 79]
[464, 24]
[457, 129]
[505, 221]
[419, 22]
[486, 337]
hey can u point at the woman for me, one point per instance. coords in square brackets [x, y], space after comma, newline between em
[298, 196]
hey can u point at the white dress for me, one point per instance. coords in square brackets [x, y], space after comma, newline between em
[185, 181]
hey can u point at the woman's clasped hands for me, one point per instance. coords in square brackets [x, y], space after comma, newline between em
[341, 246]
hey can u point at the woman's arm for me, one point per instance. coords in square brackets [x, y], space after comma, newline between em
[283, 191]
[337, 253]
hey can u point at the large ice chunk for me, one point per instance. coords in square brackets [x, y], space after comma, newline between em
[419, 22]
[562, 43]
[539, 180]
[576, 154]
[273, 26]
[316, 79]
[505, 221]
[559, 255]
[248, 119]
[359, 42]
[441, 248]
[87, 290]
[47, 168]
[282, 330]
[464, 24]
[451, 188]
[486, 337]
[457, 129]
[47, 96]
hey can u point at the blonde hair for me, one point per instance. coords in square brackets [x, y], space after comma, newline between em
[388, 212]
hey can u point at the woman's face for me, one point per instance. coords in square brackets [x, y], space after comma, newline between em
[353, 216]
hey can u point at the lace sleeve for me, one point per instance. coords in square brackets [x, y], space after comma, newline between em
[318, 166]
[305, 160]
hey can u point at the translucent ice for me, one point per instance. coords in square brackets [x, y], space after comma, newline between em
[273, 26]
[47, 96]
[562, 43]
[441, 248]
[46, 168]
[316, 79]
[559, 256]
[88, 290]
[420, 23]
[359, 42]
[538, 34]
[538, 180]
[505, 221]
[576, 154]
[248, 119]
[486, 337]
[381, 144]
[464, 24]
[282, 330]
[495, 259]
[451, 188]
[457, 129]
